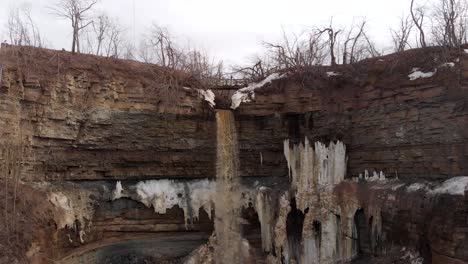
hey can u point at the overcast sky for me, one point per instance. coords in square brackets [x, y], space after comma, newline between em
[229, 30]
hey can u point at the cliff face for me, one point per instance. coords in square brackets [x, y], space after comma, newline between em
[93, 132]
[88, 107]
[95, 119]
[410, 128]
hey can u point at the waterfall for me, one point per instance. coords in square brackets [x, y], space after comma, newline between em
[229, 244]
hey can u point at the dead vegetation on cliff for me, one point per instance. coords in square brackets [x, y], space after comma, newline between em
[49, 67]
[31, 235]
[387, 72]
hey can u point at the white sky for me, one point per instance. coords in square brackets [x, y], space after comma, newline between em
[228, 30]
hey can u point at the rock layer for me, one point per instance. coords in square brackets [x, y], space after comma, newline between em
[84, 123]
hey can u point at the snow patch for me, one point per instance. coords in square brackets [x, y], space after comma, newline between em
[453, 186]
[331, 74]
[416, 74]
[247, 94]
[208, 96]
[416, 187]
[448, 64]
[397, 186]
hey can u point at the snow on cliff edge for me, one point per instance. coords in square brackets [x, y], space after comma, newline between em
[246, 94]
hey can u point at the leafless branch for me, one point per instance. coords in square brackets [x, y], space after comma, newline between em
[401, 34]
[417, 14]
[75, 11]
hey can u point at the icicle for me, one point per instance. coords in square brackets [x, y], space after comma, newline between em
[287, 155]
[310, 254]
[382, 176]
[117, 193]
[320, 165]
[329, 238]
[165, 194]
[266, 213]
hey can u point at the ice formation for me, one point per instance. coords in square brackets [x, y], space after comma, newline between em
[453, 186]
[81, 234]
[321, 239]
[320, 165]
[208, 95]
[312, 167]
[59, 200]
[165, 194]
[246, 94]
[265, 205]
[416, 74]
[117, 193]
[329, 238]
[375, 176]
[416, 187]
[281, 236]
[74, 208]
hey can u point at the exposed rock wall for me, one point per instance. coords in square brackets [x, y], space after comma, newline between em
[409, 128]
[97, 121]
[105, 108]
[98, 118]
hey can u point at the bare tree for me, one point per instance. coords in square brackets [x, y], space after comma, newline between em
[259, 68]
[449, 25]
[128, 51]
[162, 43]
[75, 11]
[145, 52]
[401, 34]
[370, 47]
[200, 66]
[101, 26]
[296, 51]
[114, 39]
[349, 53]
[332, 38]
[417, 14]
[105, 37]
[159, 46]
[21, 28]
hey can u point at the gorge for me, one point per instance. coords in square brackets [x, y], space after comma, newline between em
[105, 161]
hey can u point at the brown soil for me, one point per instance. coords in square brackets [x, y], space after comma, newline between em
[32, 225]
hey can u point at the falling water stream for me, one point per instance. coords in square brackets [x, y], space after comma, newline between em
[229, 248]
